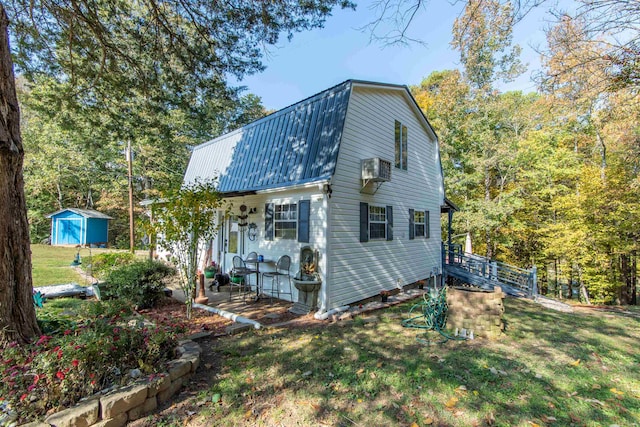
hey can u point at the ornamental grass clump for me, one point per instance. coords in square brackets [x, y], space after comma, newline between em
[60, 368]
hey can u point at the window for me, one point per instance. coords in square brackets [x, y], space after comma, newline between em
[285, 221]
[377, 222]
[288, 221]
[401, 146]
[418, 224]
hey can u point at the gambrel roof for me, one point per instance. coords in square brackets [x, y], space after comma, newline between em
[294, 146]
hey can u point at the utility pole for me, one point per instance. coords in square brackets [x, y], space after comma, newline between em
[129, 157]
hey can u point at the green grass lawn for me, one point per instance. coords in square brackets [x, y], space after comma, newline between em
[51, 265]
[549, 369]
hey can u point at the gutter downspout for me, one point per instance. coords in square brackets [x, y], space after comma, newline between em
[319, 315]
[228, 315]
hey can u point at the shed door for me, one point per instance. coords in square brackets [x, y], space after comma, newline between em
[69, 231]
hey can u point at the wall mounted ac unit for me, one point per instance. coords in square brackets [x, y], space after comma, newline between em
[376, 170]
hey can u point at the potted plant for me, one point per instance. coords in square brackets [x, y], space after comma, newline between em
[210, 270]
[384, 295]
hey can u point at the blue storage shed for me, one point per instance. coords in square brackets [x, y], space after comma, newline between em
[73, 226]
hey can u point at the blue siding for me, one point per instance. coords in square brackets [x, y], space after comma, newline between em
[296, 145]
[97, 230]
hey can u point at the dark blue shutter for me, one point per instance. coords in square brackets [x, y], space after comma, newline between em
[304, 213]
[427, 233]
[268, 221]
[389, 222]
[412, 228]
[364, 222]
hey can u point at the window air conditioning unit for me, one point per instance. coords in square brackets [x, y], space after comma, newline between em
[376, 170]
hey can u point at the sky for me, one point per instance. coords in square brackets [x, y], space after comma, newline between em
[316, 60]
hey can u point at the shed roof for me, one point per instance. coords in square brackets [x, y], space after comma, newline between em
[86, 213]
[294, 146]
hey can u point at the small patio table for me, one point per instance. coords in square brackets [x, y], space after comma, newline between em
[257, 262]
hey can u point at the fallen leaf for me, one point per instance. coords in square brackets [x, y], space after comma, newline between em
[451, 402]
[359, 371]
[547, 420]
[379, 365]
[616, 391]
[534, 424]
[475, 392]
[216, 398]
[372, 375]
[595, 401]
[248, 414]
[427, 421]
[414, 424]
[574, 418]
[575, 362]
[596, 387]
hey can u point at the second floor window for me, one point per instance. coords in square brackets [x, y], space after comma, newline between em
[401, 146]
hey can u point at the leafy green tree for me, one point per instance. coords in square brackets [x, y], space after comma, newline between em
[169, 53]
[184, 220]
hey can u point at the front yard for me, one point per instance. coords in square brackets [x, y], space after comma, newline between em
[550, 369]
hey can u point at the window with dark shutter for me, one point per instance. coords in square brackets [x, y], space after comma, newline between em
[268, 221]
[364, 222]
[304, 214]
[389, 222]
[412, 231]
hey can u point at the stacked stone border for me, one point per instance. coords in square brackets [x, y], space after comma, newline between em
[124, 404]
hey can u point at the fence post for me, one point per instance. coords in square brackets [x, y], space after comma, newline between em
[494, 271]
[533, 291]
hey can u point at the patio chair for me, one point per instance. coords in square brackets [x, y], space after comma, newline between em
[240, 269]
[282, 270]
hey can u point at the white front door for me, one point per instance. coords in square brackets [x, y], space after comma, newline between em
[230, 242]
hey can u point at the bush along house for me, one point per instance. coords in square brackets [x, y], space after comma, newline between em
[351, 175]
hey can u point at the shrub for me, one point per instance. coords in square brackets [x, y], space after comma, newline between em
[102, 264]
[96, 353]
[141, 282]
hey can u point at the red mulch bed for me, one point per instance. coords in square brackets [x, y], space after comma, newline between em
[172, 311]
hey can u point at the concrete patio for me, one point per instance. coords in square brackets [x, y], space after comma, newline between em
[243, 304]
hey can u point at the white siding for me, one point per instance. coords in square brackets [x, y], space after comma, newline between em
[360, 270]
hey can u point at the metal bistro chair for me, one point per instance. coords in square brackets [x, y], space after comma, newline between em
[240, 269]
[282, 270]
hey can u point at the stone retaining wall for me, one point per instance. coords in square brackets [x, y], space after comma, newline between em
[129, 403]
[477, 311]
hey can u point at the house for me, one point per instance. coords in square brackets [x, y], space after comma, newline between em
[73, 226]
[352, 172]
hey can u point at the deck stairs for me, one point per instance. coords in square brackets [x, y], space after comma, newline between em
[476, 270]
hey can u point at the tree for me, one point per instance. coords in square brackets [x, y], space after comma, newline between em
[17, 312]
[169, 52]
[183, 221]
[482, 35]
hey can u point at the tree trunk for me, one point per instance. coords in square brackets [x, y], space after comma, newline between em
[17, 313]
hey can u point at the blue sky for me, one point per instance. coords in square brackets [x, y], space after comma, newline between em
[319, 59]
